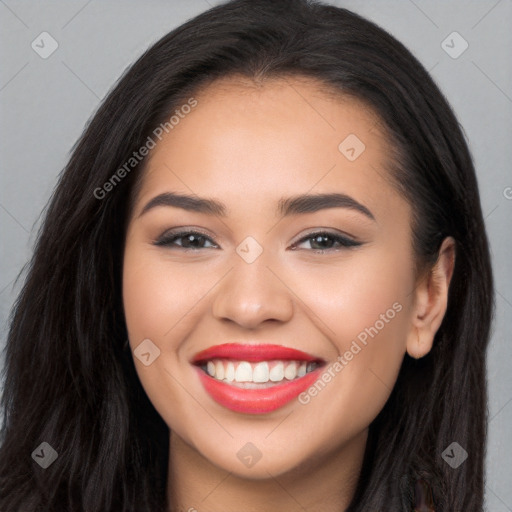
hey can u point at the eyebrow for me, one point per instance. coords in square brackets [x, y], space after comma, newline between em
[300, 204]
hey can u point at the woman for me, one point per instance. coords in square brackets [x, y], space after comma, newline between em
[185, 340]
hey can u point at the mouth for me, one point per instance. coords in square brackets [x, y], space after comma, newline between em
[255, 379]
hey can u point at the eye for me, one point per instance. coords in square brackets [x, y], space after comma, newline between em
[323, 241]
[192, 240]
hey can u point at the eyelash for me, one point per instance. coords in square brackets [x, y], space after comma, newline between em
[168, 239]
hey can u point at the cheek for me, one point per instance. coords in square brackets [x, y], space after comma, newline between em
[362, 307]
[157, 301]
[161, 306]
[351, 294]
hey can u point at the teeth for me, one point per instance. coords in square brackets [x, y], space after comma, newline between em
[258, 372]
[243, 372]
[219, 370]
[310, 367]
[277, 373]
[230, 372]
[261, 372]
[290, 372]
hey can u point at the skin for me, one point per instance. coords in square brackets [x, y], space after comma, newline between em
[247, 146]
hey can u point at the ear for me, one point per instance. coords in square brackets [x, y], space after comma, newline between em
[431, 301]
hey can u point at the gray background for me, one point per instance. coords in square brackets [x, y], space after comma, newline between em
[45, 103]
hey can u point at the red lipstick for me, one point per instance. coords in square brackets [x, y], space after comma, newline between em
[255, 401]
[252, 353]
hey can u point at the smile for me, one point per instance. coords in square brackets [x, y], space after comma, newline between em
[255, 379]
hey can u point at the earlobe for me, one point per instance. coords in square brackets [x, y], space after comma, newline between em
[416, 349]
[431, 301]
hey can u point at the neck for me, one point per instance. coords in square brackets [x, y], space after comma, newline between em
[326, 484]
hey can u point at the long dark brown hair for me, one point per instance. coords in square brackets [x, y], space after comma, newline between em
[67, 380]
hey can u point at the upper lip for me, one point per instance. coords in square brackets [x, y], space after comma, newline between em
[253, 352]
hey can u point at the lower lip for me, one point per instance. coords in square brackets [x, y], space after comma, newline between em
[256, 401]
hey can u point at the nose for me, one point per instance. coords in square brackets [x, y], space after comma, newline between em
[253, 293]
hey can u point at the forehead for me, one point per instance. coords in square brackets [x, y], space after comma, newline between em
[262, 141]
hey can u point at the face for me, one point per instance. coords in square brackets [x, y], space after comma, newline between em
[218, 303]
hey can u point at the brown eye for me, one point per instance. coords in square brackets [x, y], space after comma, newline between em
[190, 240]
[325, 241]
